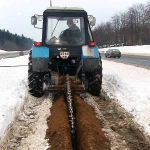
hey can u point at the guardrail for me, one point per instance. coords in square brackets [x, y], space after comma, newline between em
[13, 54]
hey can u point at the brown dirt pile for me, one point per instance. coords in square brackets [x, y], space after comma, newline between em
[88, 129]
[58, 132]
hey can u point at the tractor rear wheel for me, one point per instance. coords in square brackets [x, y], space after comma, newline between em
[35, 80]
[95, 82]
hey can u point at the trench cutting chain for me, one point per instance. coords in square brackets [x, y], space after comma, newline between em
[70, 105]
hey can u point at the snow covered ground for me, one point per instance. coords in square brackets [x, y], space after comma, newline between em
[13, 89]
[129, 84]
[135, 50]
[131, 87]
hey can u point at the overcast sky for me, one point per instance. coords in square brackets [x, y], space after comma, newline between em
[15, 14]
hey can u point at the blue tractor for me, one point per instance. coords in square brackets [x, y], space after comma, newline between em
[67, 48]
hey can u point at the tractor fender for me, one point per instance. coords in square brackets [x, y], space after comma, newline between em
[40, 58]
[90, 58]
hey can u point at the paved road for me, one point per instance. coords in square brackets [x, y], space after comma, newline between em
[140, 61]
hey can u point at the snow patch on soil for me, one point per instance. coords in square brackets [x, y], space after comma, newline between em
[29, 129]
[36, 139]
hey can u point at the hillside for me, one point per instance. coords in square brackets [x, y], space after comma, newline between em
[14, 42]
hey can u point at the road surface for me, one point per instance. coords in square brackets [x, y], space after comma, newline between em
[135, 60]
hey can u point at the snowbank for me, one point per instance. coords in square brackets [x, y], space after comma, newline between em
[2, 51]
[136, 50]
[131, 86]
[13, 82]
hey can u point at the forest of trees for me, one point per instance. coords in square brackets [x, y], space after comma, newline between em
[14, 42]
[131, 27]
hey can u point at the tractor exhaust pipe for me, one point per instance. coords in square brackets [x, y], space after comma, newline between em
[50, 3]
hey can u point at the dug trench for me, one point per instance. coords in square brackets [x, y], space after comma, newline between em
[88, 132]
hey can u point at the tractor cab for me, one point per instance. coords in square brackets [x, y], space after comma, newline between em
[65, 26]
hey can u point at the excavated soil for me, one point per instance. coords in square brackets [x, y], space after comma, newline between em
[58, 132]
[88, 136]
[88, 128]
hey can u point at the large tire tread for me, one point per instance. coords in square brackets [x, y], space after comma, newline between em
[35, 81]
[95, 88]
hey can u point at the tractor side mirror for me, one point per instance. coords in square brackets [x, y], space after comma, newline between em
[92, 20]
[34, 20]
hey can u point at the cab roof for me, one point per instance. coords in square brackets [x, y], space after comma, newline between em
[64, 8]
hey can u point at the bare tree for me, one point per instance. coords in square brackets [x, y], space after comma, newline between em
[131, 27]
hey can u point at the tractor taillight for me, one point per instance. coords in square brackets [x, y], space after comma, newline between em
[92, 44]
[38, 43]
